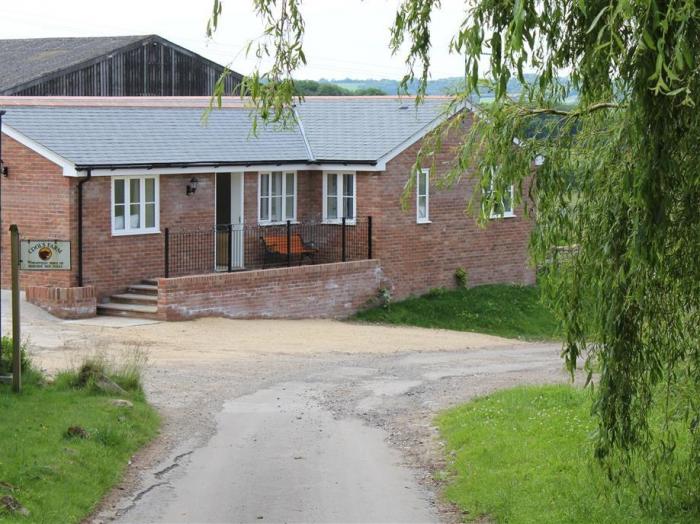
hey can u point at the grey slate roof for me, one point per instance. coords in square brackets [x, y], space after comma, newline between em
[23, 60]
[363, 128]
[354, 129]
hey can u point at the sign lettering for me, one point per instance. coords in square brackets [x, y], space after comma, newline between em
[45, 255]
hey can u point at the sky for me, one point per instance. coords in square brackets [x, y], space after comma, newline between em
[344, 38]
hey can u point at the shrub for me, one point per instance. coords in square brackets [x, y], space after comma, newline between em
[126, 373]
[7, 353]
[462, 277]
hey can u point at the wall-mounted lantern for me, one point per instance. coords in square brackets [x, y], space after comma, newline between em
[192, 186]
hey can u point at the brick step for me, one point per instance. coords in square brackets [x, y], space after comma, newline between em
[143, 289]
[127, 310]
[135, 298]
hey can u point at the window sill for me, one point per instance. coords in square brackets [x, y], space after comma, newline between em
[424, 221]
[152, 231]
[506, 215]
[284, 223]
[340, 222]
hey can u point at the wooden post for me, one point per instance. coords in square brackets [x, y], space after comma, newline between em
[16, 335]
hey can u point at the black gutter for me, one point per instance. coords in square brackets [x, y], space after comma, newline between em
[80, 226]
[165, 165]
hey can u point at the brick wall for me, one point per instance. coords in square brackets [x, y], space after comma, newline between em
[325, 290]
[418, 257]
[41, 201]
[414, 257]
[64, 302]
[113, 262]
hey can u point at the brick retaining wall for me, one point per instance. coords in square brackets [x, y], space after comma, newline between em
[324, 290]
[64, 302]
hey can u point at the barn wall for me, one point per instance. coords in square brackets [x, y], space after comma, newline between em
[151, 68]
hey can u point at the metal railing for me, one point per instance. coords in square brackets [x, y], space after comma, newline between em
[233, 247]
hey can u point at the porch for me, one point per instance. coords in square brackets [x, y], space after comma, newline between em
[291, 270]
[244, 247]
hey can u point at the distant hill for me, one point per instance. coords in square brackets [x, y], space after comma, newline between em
[440, 86]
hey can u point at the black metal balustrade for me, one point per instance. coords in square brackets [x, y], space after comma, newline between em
[234, 247]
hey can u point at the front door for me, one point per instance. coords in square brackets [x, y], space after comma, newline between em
[229, 216]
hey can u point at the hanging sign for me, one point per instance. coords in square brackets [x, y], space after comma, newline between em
[45, 255]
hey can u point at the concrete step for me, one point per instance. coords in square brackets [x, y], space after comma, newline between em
[150, 282]
[143, 289]
[127, 310]
[135, 298]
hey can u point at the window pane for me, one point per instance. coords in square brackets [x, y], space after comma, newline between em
[118, 191]
[276, 208]
[348, 207]
[264, 185]
[135, 190]
[332, 207]
[289, 209]
[134, 216]
[422, 183]
[422, 207]
[150, 190]
[150, 215]
[332, 185]
[508, 200]
[348, 185]
[264, 208]
[119, 215]
[289, 188]
[276, 184]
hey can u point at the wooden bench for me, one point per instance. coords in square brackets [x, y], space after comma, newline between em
[275, 247]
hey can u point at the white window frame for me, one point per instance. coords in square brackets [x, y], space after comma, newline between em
[270, 222]
[505, 214]
[142, 230]
[339, 198]
[426, 218]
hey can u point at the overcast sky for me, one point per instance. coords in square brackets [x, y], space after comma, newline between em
[344, 38]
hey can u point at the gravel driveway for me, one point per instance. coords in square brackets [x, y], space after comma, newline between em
[292, 421]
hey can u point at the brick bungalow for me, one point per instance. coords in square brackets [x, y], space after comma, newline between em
[174, 219]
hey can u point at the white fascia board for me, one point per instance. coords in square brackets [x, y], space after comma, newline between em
[236, 169]
[393, 153]
[67, 165]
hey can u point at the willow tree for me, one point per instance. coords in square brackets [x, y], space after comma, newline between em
[613, 118]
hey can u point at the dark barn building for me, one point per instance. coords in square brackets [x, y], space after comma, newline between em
[106, 66]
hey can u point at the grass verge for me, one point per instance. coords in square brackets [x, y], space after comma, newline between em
[504, 310]
[524, 456]
[60, 475]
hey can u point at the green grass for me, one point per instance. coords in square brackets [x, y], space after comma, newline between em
[503, 310]
[524, 456]
[59, 478]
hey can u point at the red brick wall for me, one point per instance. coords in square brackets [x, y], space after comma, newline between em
[41, 201]
[418, 257]
[326, 290]
[113, 262]
[414, 257]
[64, 302]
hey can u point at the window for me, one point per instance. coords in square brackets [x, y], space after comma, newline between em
[135, 203]
[277, 200]
[339, 197]
[504, 208]
[423, 196]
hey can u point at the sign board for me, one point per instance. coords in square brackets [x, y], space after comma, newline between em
[45, 255]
